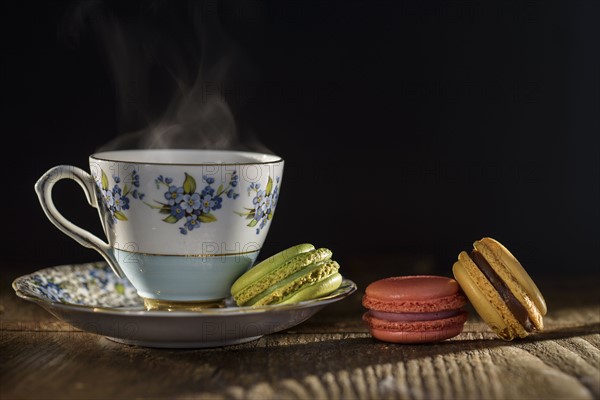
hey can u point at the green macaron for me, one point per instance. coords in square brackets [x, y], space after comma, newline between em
[296, 274]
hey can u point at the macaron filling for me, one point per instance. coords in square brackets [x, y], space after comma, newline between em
[515, 307]
[413, 317]
[298, 263]
[310, 275]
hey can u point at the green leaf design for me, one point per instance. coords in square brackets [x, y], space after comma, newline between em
[220, 189]
[165, 210]
[120, 216]
[270, 216]
[252, 223]
[104, 181]
[269, 186]
[120, 288]
[126, 190]
[156, 207]
[207, 218]
[170, 219]
[189, 185]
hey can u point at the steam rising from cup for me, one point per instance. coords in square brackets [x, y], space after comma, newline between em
[170, 63]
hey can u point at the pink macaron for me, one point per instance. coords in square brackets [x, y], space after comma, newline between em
[414, 309]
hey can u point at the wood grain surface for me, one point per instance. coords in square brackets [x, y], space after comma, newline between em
[330, 356]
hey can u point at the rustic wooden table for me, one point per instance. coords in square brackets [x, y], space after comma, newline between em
[329, 356]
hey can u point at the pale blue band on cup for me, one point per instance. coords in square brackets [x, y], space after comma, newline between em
[183, 278]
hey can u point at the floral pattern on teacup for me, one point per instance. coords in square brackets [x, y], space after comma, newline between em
[185, 204]
[116, 200]
[264, 202]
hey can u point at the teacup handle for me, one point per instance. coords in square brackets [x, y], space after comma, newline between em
[43, 188]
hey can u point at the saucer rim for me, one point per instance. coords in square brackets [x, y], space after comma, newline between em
[347, 288]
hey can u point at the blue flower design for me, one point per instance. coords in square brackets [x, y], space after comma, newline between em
[135, 179]
[118, 203]
[159, 179]
[197, 207]
[253, 187]
[259, 211]
[207, 203]
[52, 290]
[100, 277]
[116, 200]
[259, 198]
[264, 202]
[136, 194]
[124, 202]
[217, 203]
[191, 202]
[177, 211]
[192, 222]
[174, 195]
[109, 199]
[207, 191]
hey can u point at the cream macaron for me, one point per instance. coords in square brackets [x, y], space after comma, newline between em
[500, 289]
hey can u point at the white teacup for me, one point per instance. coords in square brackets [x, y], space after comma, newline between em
[182, 225]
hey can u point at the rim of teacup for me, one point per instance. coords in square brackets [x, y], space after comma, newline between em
[140, 156]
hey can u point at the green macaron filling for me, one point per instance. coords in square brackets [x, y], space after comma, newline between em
[275, 276]
[287, 287]
[268, 265]
[315, 290]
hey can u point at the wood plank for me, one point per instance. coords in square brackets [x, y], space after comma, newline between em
[71, 365]
[330, 356]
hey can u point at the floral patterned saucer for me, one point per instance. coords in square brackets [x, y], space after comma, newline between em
[92, 298]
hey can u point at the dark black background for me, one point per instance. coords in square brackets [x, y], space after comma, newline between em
[407, 127]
